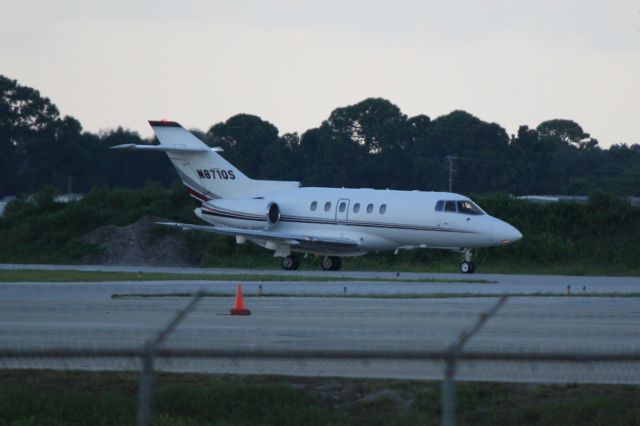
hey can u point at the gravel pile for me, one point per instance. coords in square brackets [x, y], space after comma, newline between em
[141, 243]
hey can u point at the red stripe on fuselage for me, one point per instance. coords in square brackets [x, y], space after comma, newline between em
[196, 194]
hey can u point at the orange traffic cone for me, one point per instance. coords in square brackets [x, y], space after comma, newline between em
[238, 307]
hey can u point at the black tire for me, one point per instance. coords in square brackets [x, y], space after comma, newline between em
[337, 263]
[467, 267]
[290, 263]
[331, 263]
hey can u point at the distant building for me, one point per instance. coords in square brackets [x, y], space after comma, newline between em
[63, 198]
[3, 203]
[635, 201]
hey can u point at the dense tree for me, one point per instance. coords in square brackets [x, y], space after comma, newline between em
[568, 131]
[39, 147]
[134, 169]
[368, 144]
[374, 123]
[362, 145]
[480, 152]
[244, 138]
[24, 111]
[26, 120]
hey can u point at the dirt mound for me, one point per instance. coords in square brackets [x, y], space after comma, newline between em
[141, 243]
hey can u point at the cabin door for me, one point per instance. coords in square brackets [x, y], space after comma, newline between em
[342, 210]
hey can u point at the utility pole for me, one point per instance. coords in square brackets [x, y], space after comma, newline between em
[450, 158]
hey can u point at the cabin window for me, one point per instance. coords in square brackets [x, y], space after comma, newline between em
[342, 207]
[327, 206]
[439, 206]
[383, 208]
[314, 206]
[468, 207]
[356, 207]
[450, 206]
[369, 208]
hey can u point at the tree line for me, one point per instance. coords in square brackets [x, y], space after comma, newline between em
[370, 144]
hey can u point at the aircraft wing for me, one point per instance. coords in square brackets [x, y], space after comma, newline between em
[308, 242]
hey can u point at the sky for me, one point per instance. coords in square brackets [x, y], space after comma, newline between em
[292, 62]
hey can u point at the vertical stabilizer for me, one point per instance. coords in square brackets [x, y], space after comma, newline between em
[204, 172]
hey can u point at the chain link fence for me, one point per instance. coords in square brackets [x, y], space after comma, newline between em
[475, 339]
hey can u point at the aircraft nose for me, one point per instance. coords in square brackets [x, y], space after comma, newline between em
[506, 233]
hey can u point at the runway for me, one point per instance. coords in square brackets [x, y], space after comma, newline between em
[41, 315]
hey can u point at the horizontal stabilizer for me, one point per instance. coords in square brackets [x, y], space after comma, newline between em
[205, 173]
[165, 148]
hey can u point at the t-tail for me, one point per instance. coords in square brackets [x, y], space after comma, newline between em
[203, 171]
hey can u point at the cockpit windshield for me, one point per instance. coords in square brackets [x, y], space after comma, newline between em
[468, 207]
[459, 206]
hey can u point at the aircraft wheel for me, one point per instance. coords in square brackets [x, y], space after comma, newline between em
[467, 267]
[331, 263]
[290, 263]
[337, 263]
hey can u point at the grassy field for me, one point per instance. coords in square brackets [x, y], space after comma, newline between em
[23, 275]
[373, 296]
[78, 398]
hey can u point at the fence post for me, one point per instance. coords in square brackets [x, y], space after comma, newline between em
[451, 362]
[145, 391]
[449, 393]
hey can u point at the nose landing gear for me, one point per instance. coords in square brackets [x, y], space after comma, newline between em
[467, 266]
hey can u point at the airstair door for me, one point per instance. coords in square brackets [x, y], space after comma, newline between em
[342, 210]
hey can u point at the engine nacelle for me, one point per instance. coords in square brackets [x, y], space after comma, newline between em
[241, 212]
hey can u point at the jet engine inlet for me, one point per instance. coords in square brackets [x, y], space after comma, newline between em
[252, 212]
[273, 213]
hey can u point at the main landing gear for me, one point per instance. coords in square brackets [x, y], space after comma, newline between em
[467, 266]
[329, 263]
[290, 262]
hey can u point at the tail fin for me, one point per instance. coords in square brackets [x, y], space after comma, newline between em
[203, 171]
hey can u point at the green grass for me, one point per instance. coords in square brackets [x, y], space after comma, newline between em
[25, 275]
[563, 268]
[447, 264]
[31, 397]
[373, 296]
[494, 267]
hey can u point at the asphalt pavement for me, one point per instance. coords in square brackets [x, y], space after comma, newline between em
[81, 315]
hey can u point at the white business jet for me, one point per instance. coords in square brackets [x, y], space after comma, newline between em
[329, 222]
